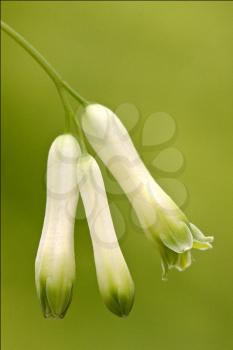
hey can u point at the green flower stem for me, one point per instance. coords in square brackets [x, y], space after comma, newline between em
[71, 118]
[54, 75]
[75, 94]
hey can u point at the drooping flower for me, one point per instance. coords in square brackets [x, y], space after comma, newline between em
[163, 221]
[55, 261]
[115, 283]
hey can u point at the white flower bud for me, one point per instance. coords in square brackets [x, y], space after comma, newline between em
[162, 220]
[55, 261]
[115, 283]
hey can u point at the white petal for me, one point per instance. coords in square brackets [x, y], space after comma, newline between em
[115, 282]
[55, 262]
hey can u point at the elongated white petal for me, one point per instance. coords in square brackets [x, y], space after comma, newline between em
[160, 217]
[114, 279]
[55, 262]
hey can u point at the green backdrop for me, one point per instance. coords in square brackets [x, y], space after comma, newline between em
[171, 57]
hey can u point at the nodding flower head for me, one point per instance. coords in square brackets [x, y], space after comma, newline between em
[115, 283]
[55, 263]
[167, 226]
[164, 223]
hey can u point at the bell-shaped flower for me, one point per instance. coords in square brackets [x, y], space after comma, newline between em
[55, 261]
[115, 283]
[164, 223]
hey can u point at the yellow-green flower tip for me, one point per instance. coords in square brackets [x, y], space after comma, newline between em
[200, 241]
[118, 296]
[55, 297]
[182, 260]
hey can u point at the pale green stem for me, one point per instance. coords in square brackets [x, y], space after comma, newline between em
[71, 117]
[64, 101]
[54, 75]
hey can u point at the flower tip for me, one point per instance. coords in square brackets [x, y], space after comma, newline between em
[171, 259]
[120, 305]
[178, 239]
[165, 276]
[53, 316]
[55, 300]
[200, 241]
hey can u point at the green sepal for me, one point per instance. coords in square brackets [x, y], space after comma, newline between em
[200, 241]
[171, 259]
[176, 236]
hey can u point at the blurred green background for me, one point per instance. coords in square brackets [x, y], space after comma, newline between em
[174, 57]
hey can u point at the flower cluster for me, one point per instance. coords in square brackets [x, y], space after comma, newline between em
[70, 172]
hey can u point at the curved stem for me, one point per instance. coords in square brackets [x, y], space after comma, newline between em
[75, 94]
[65, 106]
[49, 69]
[57, 79]
[70, 116]
[32, 51]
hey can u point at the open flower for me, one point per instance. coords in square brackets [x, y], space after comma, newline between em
[115, 283]
[164, 223]
[55, 262]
